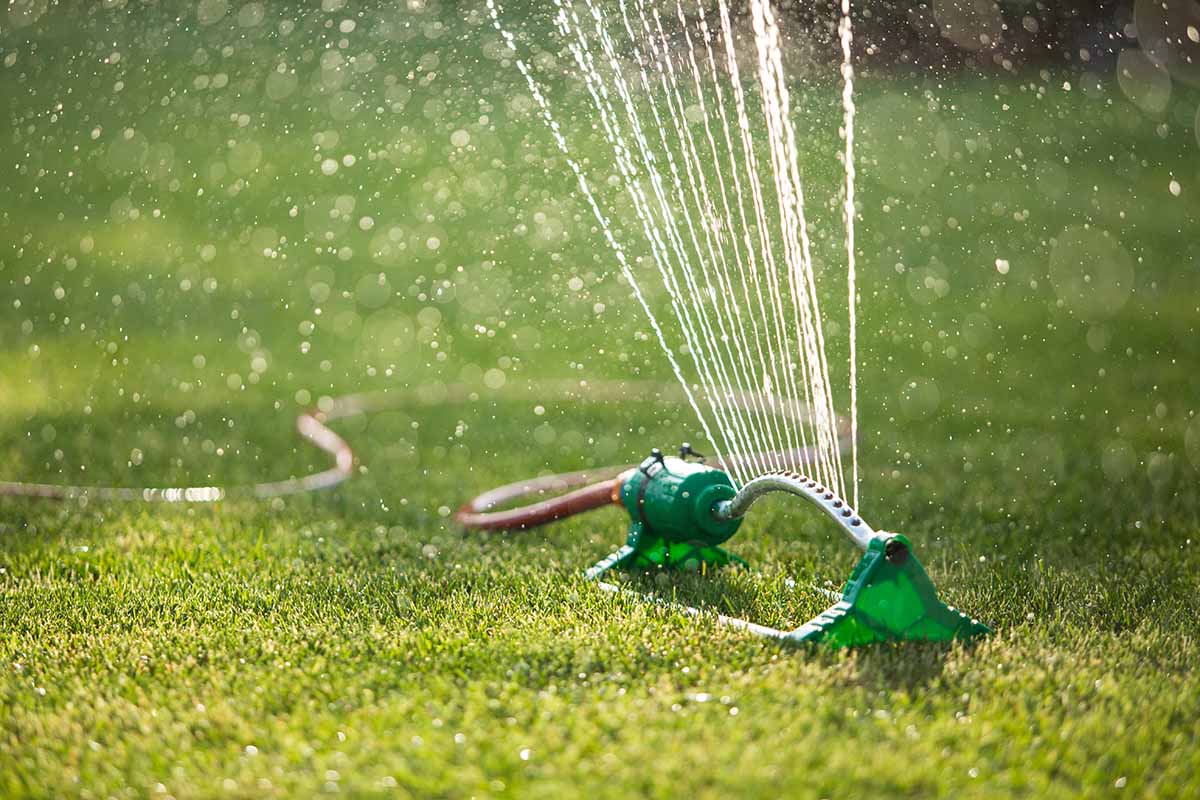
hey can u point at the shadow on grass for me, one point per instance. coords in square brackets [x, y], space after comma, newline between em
[889, 667]
[787, 605]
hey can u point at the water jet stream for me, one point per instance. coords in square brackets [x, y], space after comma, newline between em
[726, 229]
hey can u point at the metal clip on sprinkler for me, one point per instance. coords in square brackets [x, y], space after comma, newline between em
[681, 511]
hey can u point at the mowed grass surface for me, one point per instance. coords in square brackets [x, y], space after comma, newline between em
[1032, 434]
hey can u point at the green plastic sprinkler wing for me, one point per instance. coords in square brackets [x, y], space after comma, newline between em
[681, 511]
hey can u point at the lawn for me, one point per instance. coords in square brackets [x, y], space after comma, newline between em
[214, 222]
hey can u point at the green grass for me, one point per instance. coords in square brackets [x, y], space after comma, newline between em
[1036, 450]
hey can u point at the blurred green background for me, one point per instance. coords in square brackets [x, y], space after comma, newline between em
[217, 214]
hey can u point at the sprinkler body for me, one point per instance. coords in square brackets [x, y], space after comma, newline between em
[670, 502]
[681, 511]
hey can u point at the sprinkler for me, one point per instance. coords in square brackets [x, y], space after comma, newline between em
[681, 511]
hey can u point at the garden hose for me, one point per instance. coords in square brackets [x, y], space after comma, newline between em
[599, 488]
[313, 427]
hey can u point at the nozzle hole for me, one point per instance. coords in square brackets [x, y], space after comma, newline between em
[896, 552]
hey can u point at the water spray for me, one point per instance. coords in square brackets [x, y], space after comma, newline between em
[682, 510]
[764, 387]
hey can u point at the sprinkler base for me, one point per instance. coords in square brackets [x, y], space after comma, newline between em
[888, 597]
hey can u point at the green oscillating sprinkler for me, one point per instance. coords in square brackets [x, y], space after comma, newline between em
[681, 511]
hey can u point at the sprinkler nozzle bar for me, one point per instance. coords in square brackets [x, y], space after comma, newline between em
[794, 483]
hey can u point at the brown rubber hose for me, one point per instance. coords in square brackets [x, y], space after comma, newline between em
[590, 489]
[313, 427]
[474, 513]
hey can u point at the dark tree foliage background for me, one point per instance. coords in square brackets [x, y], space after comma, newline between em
[989, 34]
